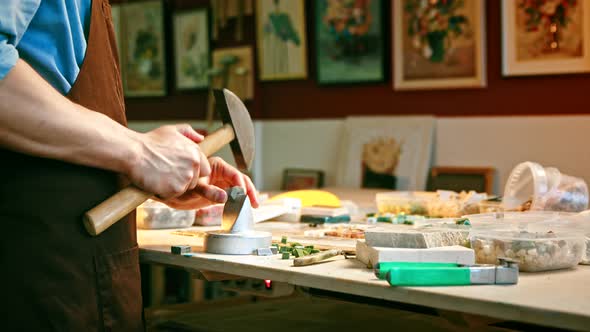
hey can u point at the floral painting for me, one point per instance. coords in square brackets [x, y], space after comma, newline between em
[546, 36]
[191, 46]
[438, 44]
[282, 50]
[349, 41]
[143, 49]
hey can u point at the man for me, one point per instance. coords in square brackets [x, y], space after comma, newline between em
[63, 143]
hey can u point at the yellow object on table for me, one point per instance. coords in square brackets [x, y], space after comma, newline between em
[311, 198]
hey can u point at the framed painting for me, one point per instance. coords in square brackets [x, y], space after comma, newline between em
[233, 68]
[438, 44]
[191, 49]
[281, 38]
[116, 15]
[545, 37]
[349, 41]
[299, 179]
[386, 152]
[142, 49]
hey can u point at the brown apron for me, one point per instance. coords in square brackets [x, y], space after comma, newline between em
[54, 275]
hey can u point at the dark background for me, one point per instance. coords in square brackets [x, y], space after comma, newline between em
[536, 95]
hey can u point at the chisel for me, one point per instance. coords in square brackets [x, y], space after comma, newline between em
[419, 274]
[382, 268]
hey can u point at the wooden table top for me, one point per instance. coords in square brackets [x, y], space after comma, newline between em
[558, 298]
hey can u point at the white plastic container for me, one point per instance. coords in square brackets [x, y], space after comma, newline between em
[534, 251]
[210, 215]
[518, 219]
[546, 188]
[155, 215]
[490, 206]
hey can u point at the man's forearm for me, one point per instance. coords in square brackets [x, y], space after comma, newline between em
[35, 119]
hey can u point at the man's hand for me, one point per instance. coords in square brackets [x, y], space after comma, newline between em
[169, 162]
[210, 190]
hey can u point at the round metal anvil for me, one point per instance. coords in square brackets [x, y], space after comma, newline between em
[245, 243]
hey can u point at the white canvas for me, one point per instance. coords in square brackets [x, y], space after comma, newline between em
[416, 135]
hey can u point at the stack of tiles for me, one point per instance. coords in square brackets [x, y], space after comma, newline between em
[414, 245]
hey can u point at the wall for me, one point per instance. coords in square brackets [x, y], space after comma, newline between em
[563, 94]
[501, 142]
[504, 142]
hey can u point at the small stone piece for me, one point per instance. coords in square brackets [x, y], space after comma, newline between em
[463, 221]
[234, 192]
[263, 252]
[383, 219]
[181, 249]
[299, 253]
[286, 255]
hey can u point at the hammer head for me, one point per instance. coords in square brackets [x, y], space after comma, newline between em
[233, 112]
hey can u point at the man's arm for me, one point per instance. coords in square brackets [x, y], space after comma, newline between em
[37, 120]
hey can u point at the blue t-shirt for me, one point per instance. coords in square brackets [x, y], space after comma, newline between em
[49, 35]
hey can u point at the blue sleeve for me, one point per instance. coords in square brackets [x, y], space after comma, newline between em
[15, 16]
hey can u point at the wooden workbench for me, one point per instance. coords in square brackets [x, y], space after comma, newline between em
[557, 299]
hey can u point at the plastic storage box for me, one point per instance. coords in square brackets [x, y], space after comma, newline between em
[449, 204]
[407, 202]
[155, 215]
[534, 251]
[544, 188]
[518, 219]
[490, 206]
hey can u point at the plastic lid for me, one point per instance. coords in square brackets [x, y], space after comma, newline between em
[521, 235]
[528, 180]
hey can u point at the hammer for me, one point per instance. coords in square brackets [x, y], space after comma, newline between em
[237, 130]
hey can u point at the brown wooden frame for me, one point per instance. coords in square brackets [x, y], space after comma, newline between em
[486, 172]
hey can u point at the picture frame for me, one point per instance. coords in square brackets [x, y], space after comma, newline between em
[116, 20]
[192, 54]
[240, 74]
[539, 40]
[143, 51]
[299, 179]
[281, 40]
[397, 149]
[461, 178]
[445, 53]
[349, 42]
[116, 16]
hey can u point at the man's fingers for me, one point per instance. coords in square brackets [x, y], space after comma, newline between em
[205, 167]
[225, 172]
[211, 192]
[251, 191]
[190, 133]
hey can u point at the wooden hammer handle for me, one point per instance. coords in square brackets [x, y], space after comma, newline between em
[122, 203]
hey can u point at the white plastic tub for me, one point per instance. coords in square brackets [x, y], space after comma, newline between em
[546, 188]
[534, 251]
[155, 215]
